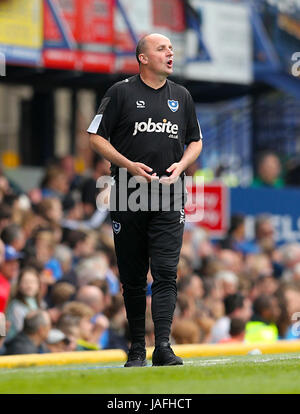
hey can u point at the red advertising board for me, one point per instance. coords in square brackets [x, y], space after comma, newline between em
[169, 14]
[101, 35]
[95, 22]
[212, 209]
[78, 34]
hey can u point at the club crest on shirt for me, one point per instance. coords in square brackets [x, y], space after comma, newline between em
[173, 105]
[116, 227]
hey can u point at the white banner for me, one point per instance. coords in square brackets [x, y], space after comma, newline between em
[219, 42]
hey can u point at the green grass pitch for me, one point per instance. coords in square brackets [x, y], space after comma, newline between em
[259, 374]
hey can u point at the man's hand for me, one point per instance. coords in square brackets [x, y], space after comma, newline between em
[138, 169]
[190, 155]
[176, 169]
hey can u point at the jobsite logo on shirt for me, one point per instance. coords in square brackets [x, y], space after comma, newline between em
[165, 126]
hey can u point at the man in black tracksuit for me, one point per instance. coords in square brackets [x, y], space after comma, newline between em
[142, 126]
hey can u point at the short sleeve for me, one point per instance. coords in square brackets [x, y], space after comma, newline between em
[108, 112]
[193, 130]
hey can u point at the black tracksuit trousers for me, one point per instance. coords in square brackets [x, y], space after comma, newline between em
[143, 239]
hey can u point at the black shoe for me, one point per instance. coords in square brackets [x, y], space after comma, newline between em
[136, 356]
[164, 355]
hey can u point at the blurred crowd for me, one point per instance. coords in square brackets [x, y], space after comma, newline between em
[270, 171]
[59, 281]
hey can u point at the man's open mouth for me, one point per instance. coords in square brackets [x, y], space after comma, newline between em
[170, 63]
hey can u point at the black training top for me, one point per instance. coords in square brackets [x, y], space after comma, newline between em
[147, 125]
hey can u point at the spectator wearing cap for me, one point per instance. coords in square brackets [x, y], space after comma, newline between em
[25, 299]
[31, 340]
[57, 341]
[9, 270]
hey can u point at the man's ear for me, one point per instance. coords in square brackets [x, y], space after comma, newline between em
[143, 58]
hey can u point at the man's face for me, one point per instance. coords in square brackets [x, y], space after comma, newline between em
[269, 169]
[245, 312]
[29, 284]
[10, 269]
[265, 230]
[158, 55]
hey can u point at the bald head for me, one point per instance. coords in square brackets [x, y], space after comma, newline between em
[143, 43]
[37, 325]
[91, 296]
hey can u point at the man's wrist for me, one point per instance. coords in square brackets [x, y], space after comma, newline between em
[182, 166]
[129, 165]
[125, 163]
